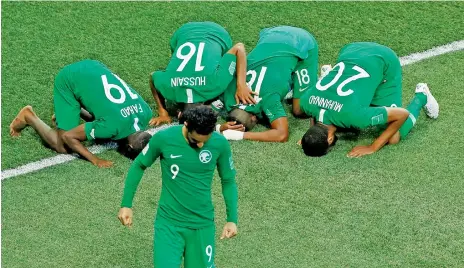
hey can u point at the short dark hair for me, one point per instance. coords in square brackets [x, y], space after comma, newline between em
[185, 106]
[134, 144]
[314, 141]
[241, 117]
[201, 119]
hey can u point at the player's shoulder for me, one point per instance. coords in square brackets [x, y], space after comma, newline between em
[167, 131]
[217, 139]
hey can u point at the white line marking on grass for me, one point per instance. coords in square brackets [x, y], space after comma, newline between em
[433, 52]
[63, 158]
[96, 149]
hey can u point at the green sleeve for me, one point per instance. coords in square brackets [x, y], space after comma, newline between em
[227, 173]
[148, 156]
[367, 117]
[272, 107]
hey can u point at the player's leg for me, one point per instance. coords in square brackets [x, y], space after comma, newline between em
[168, 245]
[51, 137]
[304, 77]
[423, 98]
[200, 248]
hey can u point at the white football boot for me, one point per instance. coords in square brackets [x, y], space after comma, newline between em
[325, 69]
[431, 108]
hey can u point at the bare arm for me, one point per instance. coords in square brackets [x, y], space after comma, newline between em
[243, 93]
[297, 112]
[277, 133]
[396, 118]
[73, 139]
[163, 116]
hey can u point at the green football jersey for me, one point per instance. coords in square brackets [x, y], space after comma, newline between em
[276, 65]
[200, 68]
[187, 174]
[366, 75]
[118, 110]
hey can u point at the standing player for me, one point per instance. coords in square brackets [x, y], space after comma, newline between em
[189, 154]
[363, 89]
[202, 66]
[89, 89]
[285, 57]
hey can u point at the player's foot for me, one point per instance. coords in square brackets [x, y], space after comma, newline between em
[431, 108]
[19, 123]
[325, 69]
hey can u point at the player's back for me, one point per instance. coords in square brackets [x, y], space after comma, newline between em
[104, 94]
[197, 48]
[353, 81]
[282, 41]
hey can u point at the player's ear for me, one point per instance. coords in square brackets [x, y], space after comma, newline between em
[185, 123]
[330, 138]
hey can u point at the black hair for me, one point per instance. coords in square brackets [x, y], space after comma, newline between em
[241, 117]
[201, 119]
[314, 141]
[134, 144]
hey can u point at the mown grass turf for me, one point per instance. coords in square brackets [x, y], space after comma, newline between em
[400, 207]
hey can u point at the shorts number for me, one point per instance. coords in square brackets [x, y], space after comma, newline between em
[186, 57]
[209, 252]
[341, 67]
[122, 98]
[174, 170]
[303, 77]
[257, 88]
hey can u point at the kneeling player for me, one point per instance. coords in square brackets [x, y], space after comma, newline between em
[363, 89]
[189, 154]
[202, 66]
[88, 89]
[285, 57]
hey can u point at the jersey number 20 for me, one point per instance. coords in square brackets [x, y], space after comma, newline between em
[341, 67]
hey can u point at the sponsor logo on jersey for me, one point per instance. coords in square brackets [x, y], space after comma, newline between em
[232, 67]
[303, 89]
[205, 156]
[175, 156]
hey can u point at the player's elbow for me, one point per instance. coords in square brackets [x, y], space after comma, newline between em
[240, 46]
[297, 112]
[282, 136]
[67, 137]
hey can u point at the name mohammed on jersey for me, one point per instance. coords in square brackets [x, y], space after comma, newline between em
[326, 103]
[188, 81]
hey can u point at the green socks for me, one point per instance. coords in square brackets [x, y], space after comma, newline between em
[420, 99]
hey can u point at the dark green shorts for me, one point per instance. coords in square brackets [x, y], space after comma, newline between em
[171, 243]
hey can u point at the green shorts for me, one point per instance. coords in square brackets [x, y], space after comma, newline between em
[205, 88]
[171, 243]
[67, 109]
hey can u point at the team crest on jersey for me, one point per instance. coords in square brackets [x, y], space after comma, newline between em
[205, 156]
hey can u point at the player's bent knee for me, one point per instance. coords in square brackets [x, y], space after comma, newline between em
[395, 139]
[283, 137]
